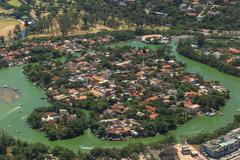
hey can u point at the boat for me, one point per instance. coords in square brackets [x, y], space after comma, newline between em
[202, 130]
[238, 110]
[20, 111]
[5, 86]
[212, 114]
[221, 114]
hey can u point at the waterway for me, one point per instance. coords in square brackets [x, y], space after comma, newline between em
[15, 122]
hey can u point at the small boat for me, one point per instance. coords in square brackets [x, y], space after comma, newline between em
[238, 110]
[221, 114]
[202, 130]
[5, 86]
[17, 131]
[212, 114]
[15, 89]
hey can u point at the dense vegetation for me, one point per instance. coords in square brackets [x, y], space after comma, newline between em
[40, 54]
[11, 148]
[185, 49]
[65, 128]
[18, 150]
[85, 15]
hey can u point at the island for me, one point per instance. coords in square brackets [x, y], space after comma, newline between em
[125, 91]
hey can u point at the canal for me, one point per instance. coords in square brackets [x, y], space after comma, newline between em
[15, 122]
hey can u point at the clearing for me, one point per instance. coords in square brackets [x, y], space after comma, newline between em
[15, 3]
[7, 25]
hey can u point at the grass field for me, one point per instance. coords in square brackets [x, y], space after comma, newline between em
[8, 24]
[15, 3]
[2, 10]
[97, 28]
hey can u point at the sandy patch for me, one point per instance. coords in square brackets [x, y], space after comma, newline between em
[8, 95]
[8, 24]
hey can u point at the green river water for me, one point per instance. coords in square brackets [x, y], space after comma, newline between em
[31, 95]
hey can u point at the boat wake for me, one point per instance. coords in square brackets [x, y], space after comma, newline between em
[89, 148]
[9, 112]
[195, 132]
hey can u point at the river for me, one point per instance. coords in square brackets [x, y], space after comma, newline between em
[15, 123]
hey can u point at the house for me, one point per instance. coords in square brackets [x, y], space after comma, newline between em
[60, 97]
[50, 116]
[151, 110]
[96, 93]
[119, 133]
[151, 99]
[190, 107]
[191, 94]
[234, 50]
[200, 18]
[82, 97]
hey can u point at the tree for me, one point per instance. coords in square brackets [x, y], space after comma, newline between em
[5, 142]
[162, 50]
[67, 155]
[34, 120]
[65, 23]
[201, 40]
[2, 39]
[17, 30]
[52, 133]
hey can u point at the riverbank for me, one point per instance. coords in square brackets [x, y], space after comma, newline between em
[15, 78]
[222, 55]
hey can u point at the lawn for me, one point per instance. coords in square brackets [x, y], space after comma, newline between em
[8, 24]
[15, 3]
